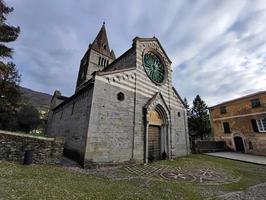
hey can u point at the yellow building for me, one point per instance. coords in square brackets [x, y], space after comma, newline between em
[241, 123]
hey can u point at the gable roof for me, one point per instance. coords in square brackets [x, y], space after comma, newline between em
[153, 39]
[178, 96]
[109, 67]
[240, 98]
[157, 95]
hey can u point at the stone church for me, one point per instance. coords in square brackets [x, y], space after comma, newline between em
[124, 109]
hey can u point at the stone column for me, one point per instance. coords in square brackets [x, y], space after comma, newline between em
[162, 134]
[146, 142]
[169, 139]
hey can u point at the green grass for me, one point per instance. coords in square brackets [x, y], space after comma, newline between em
[53, 182]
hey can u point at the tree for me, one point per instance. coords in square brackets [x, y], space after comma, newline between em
[9, 76]
[7, 33]
[187, 106]
[199, 123]
[28, 118]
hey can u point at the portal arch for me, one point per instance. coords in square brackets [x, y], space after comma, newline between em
[157, 133]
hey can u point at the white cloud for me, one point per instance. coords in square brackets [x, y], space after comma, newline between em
[218, 48]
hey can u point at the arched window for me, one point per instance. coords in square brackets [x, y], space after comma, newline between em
[107, 63]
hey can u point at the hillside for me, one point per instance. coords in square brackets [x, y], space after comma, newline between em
[37, 99]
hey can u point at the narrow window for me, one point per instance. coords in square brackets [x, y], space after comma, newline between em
[102, 61]
[178, 114]
[255, 103]
[61, 114]
[226, 127]
[107, 63]
[99, 62]
[223, 110]
[250, 145]
[73, 107]
[104, 46]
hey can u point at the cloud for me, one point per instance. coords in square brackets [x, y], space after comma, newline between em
[218, 48]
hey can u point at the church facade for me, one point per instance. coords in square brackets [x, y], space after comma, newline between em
[124, 109]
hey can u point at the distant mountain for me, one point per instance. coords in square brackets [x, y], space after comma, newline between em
[37, 99]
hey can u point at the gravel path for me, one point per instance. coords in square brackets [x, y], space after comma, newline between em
[257, 192]
[240, 157]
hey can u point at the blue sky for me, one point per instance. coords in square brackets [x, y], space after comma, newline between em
[218, 47]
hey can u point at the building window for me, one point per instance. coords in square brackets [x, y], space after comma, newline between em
[223, 110]
[254, 125]
[226, 127]
[261, 125]
[61, 116]
[255, 103]
[104, 46]
[73, 107]
[99, 62]
[250, 145]
[120, 96]
[178, 114]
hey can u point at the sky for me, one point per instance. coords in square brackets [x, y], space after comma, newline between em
[217, 47]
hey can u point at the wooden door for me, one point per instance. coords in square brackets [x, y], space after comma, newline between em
[154, 146]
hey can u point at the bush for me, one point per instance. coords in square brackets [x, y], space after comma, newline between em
[28, 118]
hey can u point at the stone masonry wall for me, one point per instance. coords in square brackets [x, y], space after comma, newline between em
[45, 150]
[111, 126]
[239, 115]
[71, 122]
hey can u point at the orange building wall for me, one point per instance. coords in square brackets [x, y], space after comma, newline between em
[239, 115]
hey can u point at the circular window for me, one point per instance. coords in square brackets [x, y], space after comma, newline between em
[154, 67]
[120, 96]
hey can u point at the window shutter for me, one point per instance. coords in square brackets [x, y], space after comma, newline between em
[254, 125]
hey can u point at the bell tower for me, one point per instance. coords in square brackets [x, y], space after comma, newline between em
[97, 57]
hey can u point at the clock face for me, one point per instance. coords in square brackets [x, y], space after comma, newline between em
[153, 67]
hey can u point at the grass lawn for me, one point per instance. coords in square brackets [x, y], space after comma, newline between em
[54, 182]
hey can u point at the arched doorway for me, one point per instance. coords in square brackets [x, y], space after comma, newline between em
[239, 144]
[154, 136]
[157, 141]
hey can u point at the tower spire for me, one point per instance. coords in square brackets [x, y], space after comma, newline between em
[100, 43]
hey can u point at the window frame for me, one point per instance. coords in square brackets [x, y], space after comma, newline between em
[255, 103]
[229, 129]
[261, 125]
[223, 110]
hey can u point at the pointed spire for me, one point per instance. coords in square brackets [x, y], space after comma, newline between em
[100, 43]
